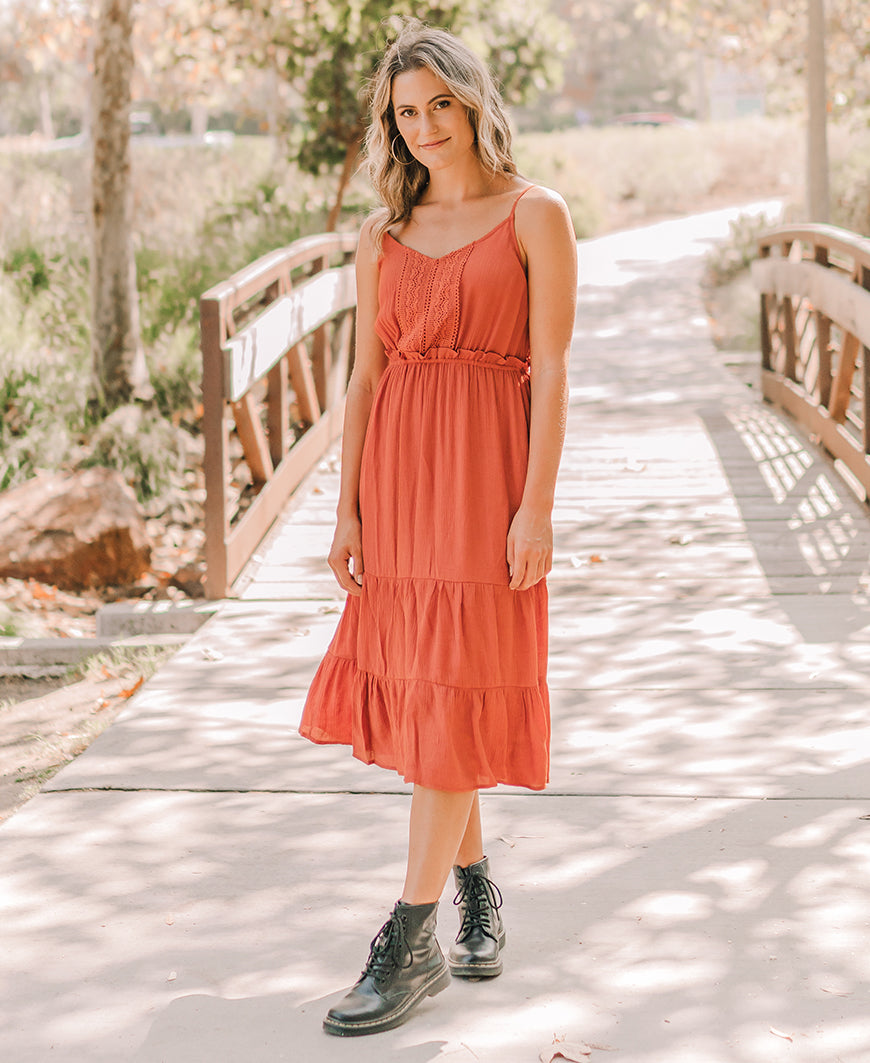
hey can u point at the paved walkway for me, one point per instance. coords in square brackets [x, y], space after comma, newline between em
[693, 888]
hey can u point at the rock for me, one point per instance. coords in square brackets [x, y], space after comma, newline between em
[190, 579]
[74, 530]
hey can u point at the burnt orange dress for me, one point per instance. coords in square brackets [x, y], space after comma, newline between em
[438, 670]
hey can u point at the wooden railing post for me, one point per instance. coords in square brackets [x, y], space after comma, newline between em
[823, 337]
[215, 430]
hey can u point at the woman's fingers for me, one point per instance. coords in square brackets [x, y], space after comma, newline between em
[529, 568]
[347, 567]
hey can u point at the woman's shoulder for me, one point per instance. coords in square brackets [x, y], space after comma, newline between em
[538, 204]
[371, 233]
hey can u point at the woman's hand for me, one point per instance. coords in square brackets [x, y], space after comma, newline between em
[345, 554]
[529, 548]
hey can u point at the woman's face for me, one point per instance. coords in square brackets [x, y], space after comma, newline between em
[431, 121]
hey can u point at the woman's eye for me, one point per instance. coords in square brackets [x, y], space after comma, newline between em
[442, 103]
[406, 114]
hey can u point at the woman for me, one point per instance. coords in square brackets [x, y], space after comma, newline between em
[453, 431]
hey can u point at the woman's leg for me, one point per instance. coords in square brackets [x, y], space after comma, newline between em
[471, 846]
[439, 822]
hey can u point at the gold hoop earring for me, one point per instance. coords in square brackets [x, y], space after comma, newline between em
[394, 156]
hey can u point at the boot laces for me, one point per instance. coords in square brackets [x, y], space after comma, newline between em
[389, 950]
[479, 899]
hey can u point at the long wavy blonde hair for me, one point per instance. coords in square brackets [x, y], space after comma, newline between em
[400, 184]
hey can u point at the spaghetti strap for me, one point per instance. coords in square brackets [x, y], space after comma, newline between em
[519, 197]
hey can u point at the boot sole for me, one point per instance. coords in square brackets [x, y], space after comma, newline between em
[478, 970]
[357, 1029]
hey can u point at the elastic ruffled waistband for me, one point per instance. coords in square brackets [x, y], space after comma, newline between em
[487, 359]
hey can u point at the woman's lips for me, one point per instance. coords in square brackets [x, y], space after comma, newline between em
[434, 144]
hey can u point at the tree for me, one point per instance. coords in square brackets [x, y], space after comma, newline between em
[120, 373]
[328, 51]
[802, 37]
[818, 193]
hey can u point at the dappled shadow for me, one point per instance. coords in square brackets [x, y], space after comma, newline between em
[809, 532]
[666, 929]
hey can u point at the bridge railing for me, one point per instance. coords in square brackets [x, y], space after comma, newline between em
[277, 351]
[814, 282]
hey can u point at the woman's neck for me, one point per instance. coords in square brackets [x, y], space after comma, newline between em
[459, 183]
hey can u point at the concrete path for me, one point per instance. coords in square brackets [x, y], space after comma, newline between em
[693, 888]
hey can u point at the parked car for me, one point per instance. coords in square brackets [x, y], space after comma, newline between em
[651, 118]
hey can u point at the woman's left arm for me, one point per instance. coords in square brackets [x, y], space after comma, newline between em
[546, 235]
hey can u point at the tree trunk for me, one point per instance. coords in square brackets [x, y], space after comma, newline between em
[198, 120]
[46, 121]
[120, 373]
[818, 196]
[350, 157]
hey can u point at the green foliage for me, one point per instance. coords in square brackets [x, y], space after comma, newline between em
[202, 215]
[331, 50]
[148, 449]
[735, 254]
[850, 182]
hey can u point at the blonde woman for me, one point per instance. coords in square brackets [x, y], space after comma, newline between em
[454, 424]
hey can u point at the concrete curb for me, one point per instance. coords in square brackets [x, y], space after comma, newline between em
[35, 658]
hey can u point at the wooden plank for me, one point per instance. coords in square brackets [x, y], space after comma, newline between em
[829, 291]
[830, 236]
[252, 352]
[766, 345]
[789, 338]
[303, 384]
[215, 430]
[253, 439]
[301, 458]
[842, 386]
[278, 412]
[823, 345]
[321, 364]
[341, 366]
[833, 437]
[253, 278]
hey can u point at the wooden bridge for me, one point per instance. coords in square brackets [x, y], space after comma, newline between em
[277, 343]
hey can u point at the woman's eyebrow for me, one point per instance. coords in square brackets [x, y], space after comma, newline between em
[439, 96]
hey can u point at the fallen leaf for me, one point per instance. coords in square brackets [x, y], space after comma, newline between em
[839, 992]
[507, 841]
[42, 592]
[596, 559]
[576, 1053]
[779, 1033]
[680, 540]
[169, 920]
[212, 655]
[172, 976]
[132, 690]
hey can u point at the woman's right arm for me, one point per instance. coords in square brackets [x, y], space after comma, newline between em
[345, 555]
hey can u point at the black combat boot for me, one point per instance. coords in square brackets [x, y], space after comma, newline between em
[405, 965]
[481, 937]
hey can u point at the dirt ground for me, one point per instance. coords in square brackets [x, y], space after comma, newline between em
[46, 722]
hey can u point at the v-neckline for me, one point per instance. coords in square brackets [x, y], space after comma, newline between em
[456, 250]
